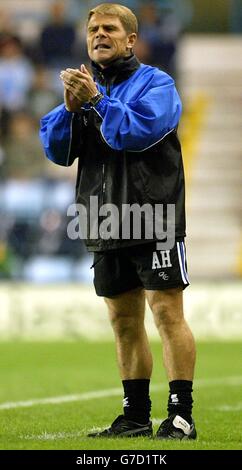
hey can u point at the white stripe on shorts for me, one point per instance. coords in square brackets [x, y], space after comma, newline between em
[184, 260]
[181, 258]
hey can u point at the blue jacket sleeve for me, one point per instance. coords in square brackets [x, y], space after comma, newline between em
[140, 123]
[56, 132]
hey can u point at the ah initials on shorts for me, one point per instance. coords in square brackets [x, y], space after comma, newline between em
[163, 262]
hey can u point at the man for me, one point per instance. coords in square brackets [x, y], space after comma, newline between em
[122, 125]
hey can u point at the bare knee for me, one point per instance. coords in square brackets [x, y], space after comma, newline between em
[126, 313]
[124, 326]
[165, 317]
[167, 310]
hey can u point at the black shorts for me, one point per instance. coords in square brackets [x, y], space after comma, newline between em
[118, 271]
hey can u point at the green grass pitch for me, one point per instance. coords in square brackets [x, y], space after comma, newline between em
[66, 370]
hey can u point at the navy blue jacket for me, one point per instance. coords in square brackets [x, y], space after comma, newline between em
[127, 145]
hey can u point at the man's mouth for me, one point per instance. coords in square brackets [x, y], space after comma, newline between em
[101, 46]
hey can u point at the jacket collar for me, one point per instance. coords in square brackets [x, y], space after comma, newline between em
[120, 69]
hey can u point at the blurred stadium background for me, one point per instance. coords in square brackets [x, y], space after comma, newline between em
[43, 274]
[45, 279]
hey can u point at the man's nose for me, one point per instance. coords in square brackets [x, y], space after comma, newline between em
[100, 32]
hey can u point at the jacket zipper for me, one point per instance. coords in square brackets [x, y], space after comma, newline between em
[103, 165]
[108, 88]
[104, 183]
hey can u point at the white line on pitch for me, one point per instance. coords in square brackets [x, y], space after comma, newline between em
[111, 392]
[47, 436]
[235, 407]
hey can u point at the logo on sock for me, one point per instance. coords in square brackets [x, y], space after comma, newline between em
[174, 398]
[126, 402]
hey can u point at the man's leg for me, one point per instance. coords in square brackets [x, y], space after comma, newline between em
[179, 361]
[126, 312]
[178, 342]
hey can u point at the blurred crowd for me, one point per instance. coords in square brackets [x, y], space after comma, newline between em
[35, 44]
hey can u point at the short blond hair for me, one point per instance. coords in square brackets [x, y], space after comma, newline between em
[126, 16]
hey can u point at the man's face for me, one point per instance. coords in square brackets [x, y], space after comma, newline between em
[107, 39]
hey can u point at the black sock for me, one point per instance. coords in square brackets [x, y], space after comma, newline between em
[136, 403]
[180, 399]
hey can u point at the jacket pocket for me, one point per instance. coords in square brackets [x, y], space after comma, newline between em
[153, 184]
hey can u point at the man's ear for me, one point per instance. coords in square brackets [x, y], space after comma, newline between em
[131, 40]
